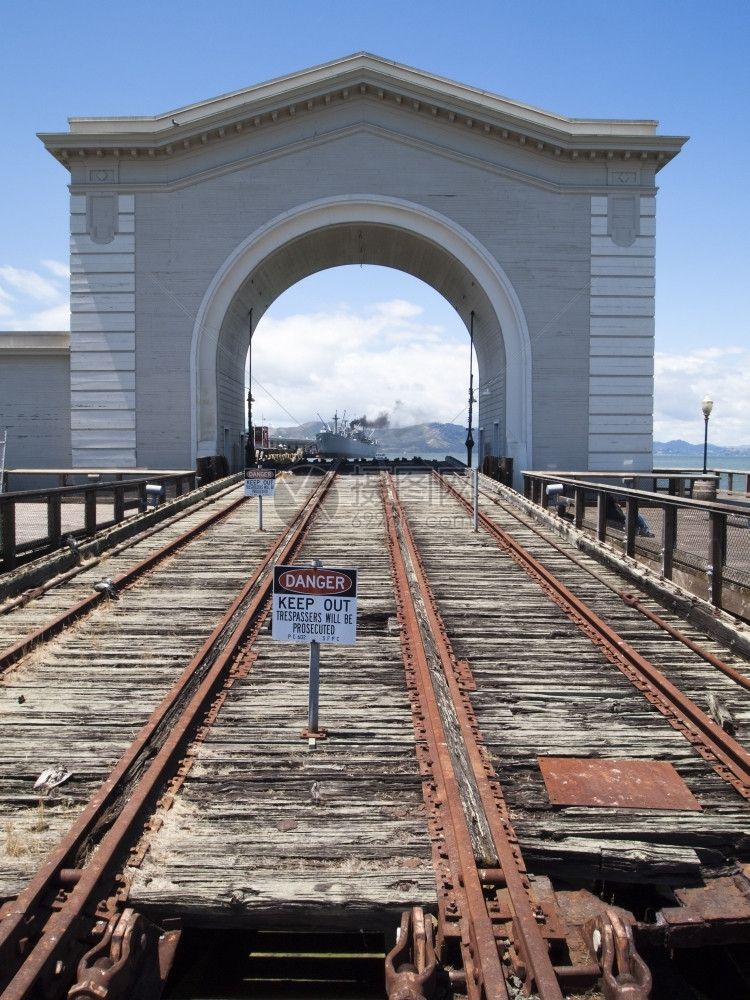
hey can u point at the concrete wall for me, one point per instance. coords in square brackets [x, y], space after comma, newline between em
[539, 234]
[541, 226]
[35, 399]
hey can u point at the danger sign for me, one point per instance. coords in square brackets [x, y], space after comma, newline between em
[260, 482]
[313, 604]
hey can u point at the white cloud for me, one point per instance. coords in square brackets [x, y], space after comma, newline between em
[57, 268]
[56, 318]
[392, 356]
[382, 359]
[683, 380]
[398, 309]
[29, 300]
[30, 284]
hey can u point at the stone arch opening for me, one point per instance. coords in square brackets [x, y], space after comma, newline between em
[368, 230]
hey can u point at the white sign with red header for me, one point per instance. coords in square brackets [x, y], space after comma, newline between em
[260, 482]
[314, 604]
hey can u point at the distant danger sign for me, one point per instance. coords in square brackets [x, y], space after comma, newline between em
[260, 482]
[315, 604]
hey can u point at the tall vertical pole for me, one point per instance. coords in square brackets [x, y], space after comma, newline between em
[469, 435]
[707, 405]
[314, 685]
[2, 458]
[705, 443]
[313, 697]
[260, 508]
[250, 442]
[476, 499]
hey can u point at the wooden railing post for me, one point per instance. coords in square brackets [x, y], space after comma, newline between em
[601, 516]
[119, 503]
[90, 510]
[669, 535]
[580, 495]
[631, 520]
[8, 528]
[717, 547]
[54, 520]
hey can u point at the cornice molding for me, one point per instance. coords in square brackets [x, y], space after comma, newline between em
[492, 167]
[35, 342]
[362, 77]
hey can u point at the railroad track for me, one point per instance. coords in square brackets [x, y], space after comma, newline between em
[38, 932]
[42, 612]
[727, 756]
[427, 796]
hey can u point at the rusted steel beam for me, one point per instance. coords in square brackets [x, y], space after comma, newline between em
[176, 719]
[483, 947]
[728, 758]
[717, 913]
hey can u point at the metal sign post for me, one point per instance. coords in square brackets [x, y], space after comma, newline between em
[476, 499]
[314, 605]
[260, 483]
[313, 695]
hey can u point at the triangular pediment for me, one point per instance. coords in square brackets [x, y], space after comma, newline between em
[361, 78]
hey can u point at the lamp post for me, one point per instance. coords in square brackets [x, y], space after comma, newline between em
[469, 435]
[250, 442]
[707, 405]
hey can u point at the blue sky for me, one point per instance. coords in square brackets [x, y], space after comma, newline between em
[684, 64]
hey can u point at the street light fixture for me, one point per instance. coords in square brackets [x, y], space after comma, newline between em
[707, 405]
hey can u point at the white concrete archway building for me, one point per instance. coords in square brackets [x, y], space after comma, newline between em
[184, 223]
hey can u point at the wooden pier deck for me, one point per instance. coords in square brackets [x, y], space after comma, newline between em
[268, 829]
[252, 825]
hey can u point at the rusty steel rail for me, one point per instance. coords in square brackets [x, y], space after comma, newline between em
[462, 898]
[728, 758]
[71, 615]
[47, 928]
[632, 601]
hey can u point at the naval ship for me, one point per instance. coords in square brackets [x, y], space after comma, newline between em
[345, 439]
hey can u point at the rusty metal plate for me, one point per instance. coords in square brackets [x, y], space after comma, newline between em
[628, 784]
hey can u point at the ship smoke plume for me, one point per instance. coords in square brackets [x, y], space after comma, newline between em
[378, 422]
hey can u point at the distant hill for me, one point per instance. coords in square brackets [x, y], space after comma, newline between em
[680, 447]
[450, 439]
[415, 440]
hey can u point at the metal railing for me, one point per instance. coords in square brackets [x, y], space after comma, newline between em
[35, 522]
[702, 545]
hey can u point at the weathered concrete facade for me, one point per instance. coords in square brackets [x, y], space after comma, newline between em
[186, 226]
[35, 399]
